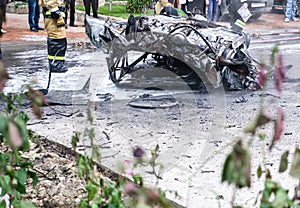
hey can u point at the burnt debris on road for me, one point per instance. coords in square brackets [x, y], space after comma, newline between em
[189, 47]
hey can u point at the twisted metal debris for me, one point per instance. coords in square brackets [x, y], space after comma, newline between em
[189, 47]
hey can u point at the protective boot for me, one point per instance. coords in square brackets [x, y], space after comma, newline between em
[56, 54]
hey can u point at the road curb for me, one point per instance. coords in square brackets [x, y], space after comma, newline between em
[112, 175]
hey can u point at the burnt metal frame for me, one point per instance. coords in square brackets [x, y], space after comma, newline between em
[225, 55]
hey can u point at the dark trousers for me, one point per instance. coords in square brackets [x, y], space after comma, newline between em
[33, 13]
[235, 17]
[87, 5]
[70, 5]
[3, 11]
[184, 7]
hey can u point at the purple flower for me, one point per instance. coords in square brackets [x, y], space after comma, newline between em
[262, 76]
[129, 188]
[279, 73]
[138, 152]
[127, 168]
[278, 125]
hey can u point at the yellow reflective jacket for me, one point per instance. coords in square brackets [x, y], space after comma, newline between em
[51, 4]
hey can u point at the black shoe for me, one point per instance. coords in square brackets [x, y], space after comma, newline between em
[58, 68]
[40, 28]
[34, 29]
[73, 25]
[61, 70]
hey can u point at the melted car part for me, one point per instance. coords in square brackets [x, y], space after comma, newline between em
[188, 46]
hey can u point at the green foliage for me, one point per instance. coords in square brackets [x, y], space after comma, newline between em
[19, 3]
[259, 172]
[271, 189]
[237, 166]
[295, 169]
[137, 6]
[3, 204]
[96, 154]
[75, 140]
[83, 166]
[260, 120]
[118, 10]
[15, 169]
[25, 204]
[283, 162]
[275, 50]
[137, 178]
[106, 193]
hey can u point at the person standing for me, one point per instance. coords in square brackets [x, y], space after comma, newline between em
[3, 15]
[70, 6]
[236, 21]
[184, 6]
[54, 13]
[87, 5]
[290, 11]
[34, 15]
[212, 11]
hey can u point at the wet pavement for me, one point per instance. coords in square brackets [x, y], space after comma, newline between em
[193, 133]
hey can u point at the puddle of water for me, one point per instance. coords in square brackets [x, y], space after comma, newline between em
[28, 61]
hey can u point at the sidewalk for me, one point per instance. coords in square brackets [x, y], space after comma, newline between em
[18, 30]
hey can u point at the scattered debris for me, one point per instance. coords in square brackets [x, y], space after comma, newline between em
[241, 100]
[288, 133]
[207, 171]
[104, 96]
[149, 101]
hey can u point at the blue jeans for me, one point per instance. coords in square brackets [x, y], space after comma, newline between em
[34, 13]
[212, 11]
[290, 9]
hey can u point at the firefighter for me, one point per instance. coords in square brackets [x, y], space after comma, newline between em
[236, 21]
[54, 13]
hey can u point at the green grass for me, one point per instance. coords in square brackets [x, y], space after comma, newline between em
[20, 3]
[119, 10]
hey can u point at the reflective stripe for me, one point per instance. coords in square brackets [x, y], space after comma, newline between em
[243, 1]
[58, 58]
[48, 14]
[240, 23]
[54, 9]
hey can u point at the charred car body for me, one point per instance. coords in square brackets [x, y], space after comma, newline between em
[189, 47]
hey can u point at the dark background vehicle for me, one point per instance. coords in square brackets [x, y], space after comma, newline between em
[256, 7]
[281, 5]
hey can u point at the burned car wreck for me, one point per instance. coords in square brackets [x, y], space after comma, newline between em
[189, 47]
